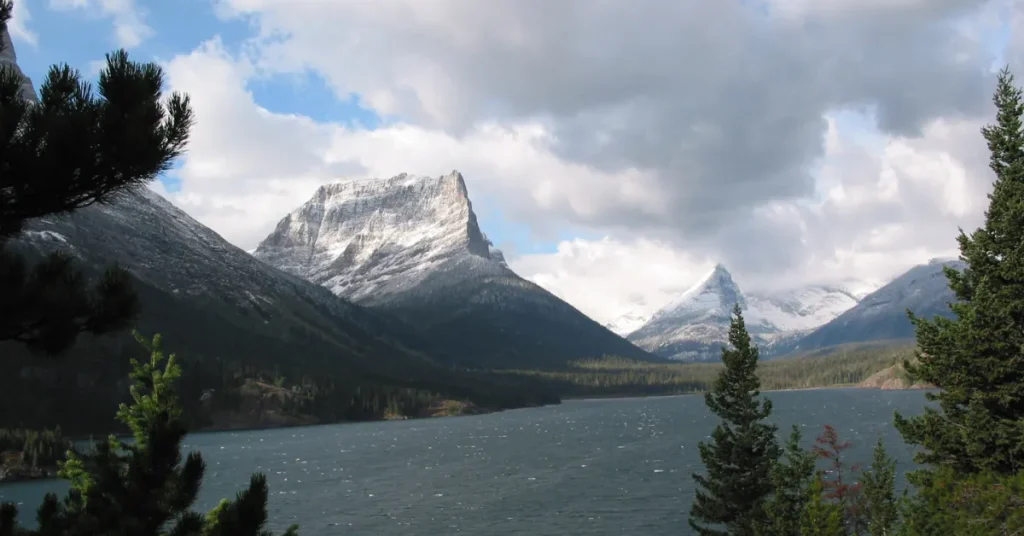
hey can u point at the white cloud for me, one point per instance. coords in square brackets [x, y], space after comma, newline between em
[130, 30]
[682, 146]
[18, 25]
[246, 166]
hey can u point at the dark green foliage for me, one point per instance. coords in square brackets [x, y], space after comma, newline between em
[144, 487]
[879, 506]
[615, 376]
[821, 517]
[743, 448]
[792, 478]
[977, 358]
[947, 503]
[35, 448]
[71, 149]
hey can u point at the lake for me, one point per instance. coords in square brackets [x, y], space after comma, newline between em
[602, 467]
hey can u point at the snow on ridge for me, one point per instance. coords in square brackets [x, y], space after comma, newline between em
[705, 294]
[701, 314]
[362, 236]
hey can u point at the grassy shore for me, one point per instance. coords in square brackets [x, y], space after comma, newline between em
[843, 366]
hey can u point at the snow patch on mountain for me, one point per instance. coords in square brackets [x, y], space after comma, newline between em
[695, 325]
[627, 323]
[378, 236]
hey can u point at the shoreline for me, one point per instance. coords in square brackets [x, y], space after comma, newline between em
[626, 396]
[481, 411]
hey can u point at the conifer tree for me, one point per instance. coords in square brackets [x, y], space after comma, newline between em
[142, 487]
[730, 498]
[791, 477]
[820, 516]
[880, 507]
[977, 358]
[67, 149]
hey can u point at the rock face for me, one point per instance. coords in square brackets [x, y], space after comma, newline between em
[882, 315]
[9, 59]
[411, 245]
[695, 326]
[375, 240]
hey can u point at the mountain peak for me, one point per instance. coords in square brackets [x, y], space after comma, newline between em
[358, 236]
[716, 290]
[9, 58]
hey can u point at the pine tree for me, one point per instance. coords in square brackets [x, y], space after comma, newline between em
[791, 478]
[743, 448]
[66, 150]
[879, 507]
[142, 487]
[821, 517]
[977, 358]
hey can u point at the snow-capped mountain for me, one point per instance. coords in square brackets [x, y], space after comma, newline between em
[881, 315]
[411, 245]
[694, 326]
[627, 323]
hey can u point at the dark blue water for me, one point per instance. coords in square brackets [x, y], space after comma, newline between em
[607, 467]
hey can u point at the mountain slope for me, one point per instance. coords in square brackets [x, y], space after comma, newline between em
[694, 326]
[189, 267]
[882, 315]
[411, 245]
[224, 313]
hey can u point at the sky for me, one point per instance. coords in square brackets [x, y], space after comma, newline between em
[614, 150]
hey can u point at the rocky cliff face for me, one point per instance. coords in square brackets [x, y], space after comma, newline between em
[370, 240]
[411, 245]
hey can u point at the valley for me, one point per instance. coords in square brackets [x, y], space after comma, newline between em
[383, 299]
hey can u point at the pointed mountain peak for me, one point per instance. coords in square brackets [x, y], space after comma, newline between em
[716, 291]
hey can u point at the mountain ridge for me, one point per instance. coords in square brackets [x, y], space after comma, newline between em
[411, 245]
[694, 325]
[923, 289]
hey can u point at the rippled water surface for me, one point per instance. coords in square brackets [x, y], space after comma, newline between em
[606, 467]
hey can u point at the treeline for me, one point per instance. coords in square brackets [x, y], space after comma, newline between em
[33, 448]
[615, 376]
[36, 395]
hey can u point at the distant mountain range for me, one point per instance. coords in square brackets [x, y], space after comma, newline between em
[882, 315]
[694, 326]
[411, 246]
